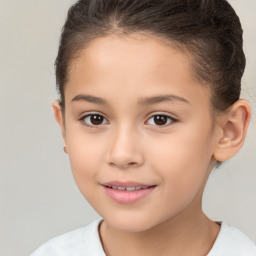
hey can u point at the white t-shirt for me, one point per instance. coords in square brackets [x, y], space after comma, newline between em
[85, 241]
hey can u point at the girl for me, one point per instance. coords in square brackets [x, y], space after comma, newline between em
[149, 105]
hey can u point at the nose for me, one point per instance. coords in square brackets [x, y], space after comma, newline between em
[124, 151]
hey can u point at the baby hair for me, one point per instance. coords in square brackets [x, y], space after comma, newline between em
[208, 30]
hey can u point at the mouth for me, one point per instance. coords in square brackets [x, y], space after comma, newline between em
[122, 188]
[127, 193]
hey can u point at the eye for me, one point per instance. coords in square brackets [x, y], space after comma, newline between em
[161, 120]
[94, 120]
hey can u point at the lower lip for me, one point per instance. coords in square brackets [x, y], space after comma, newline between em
[128, 197]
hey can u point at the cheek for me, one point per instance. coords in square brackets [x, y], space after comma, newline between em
[182, 160]
[85, 153]
[188, 147]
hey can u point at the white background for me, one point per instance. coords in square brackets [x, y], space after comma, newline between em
[38, 197]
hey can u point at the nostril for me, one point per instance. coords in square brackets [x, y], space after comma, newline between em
[132, 163]
[124, 166]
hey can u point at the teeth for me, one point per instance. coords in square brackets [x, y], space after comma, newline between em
[128, 188]
[131, 188]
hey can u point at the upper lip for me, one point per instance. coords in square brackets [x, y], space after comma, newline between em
[126, 184]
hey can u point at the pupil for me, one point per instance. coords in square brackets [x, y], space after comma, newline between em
[160, 120]
[95, 119]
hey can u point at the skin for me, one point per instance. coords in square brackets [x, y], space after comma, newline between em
[128, 145]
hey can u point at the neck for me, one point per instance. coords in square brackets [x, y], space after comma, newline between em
[195, 231]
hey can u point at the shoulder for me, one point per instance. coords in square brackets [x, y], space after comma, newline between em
[82, 241]
[232, 241]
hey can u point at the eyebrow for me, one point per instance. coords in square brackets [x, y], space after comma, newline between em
[142, 101]
[90, 98]
[161, 98]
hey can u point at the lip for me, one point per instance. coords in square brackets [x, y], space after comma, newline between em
[126, 184]
[127, 192]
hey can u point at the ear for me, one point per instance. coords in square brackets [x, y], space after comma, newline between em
[58, 114]
[234, 125]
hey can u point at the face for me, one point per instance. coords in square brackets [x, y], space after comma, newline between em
[138, 131]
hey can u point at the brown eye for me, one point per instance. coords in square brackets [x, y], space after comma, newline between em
[160, 120]
[94, 120]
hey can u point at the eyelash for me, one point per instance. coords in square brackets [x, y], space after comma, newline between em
[169, 118]
[82, 119]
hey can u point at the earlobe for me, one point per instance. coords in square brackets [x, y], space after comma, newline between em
[234, 126]
[59, 117]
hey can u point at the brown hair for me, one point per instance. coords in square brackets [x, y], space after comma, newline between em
[209, 30]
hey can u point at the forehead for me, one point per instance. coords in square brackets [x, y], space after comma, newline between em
[134, 65]
[120, 53]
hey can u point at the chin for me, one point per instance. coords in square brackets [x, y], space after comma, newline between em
[131, 223]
